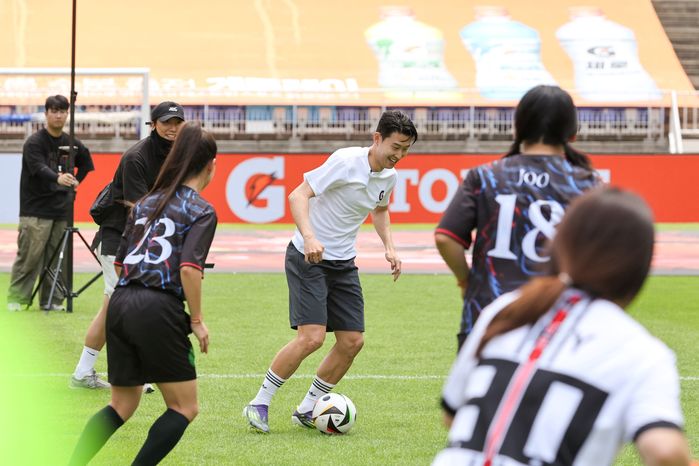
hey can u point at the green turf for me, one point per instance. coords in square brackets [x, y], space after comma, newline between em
[410, 332]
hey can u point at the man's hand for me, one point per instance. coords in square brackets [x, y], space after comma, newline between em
[66, 179]
[395, 262]
[312, 250]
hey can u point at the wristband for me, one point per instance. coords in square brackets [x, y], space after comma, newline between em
[195, 321]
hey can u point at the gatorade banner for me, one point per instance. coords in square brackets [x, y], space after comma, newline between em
[313, 52]
[253, 188]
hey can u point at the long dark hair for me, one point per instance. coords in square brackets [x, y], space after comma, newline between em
[547, 114]
[604, 245]
[192, 150]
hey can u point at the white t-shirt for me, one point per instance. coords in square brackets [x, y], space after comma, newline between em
[601, 379]
[346, 191]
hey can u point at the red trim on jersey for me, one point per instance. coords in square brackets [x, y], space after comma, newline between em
[118, 263]
[191, 264]
[465, 244]
[524, 374]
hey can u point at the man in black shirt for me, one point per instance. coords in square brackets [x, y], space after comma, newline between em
[134, 177]
[43, 198]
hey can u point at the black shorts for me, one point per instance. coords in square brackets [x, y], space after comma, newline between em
[328, 293]
[147, 338]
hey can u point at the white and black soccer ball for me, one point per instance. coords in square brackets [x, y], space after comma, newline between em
[334, 414]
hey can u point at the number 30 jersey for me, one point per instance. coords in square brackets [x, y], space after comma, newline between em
[182, 235]
[514, 204]
[601, 381]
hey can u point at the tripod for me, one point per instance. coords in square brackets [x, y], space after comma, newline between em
[65, 248]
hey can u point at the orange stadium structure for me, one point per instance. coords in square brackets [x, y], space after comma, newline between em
[309, 52]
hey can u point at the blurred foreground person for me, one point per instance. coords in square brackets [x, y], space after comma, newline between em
[556, 372]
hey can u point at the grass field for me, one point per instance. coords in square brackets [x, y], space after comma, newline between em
[395, 381]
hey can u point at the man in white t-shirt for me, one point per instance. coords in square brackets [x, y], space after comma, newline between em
[325, 294]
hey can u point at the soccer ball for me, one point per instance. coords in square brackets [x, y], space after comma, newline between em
[334, 414]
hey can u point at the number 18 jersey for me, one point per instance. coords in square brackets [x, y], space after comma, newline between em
[514, 204]
[180, 236]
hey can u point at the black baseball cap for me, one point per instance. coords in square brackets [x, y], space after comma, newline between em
[165, 111]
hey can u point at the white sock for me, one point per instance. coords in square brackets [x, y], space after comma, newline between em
[319, 387]
[269, 387]
[86, 365]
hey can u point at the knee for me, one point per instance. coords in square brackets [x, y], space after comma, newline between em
[124, 410]
[352, 345]
[311, 341]
[190, 412]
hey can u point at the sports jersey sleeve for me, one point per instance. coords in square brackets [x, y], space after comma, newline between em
[453, 394]
[387, 195]
[333, 173]
[460, 218]
[198, 241]
[656, 400]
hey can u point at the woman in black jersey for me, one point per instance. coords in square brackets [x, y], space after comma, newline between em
[514, 203]
[160, 263]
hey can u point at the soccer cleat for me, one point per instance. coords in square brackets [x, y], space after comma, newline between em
[148, 388]
[303, 419]
[257, 417]
[14, 307]
[91, 381]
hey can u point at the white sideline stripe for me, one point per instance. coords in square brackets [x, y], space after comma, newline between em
[686, 378]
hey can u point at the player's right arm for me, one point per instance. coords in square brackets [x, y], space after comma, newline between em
[299, 206]
[453, 234]
[454, 255]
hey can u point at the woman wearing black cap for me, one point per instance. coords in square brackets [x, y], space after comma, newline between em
[134, 177]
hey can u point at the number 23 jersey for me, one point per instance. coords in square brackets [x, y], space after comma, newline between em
[514, 204]
[180, 236]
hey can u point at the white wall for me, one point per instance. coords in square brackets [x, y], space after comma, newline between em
[10, 170]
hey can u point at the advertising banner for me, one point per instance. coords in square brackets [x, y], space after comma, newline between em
[313, 52]
[253, 188]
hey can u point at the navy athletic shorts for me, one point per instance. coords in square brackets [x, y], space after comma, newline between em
[147, 338]
[328, 293]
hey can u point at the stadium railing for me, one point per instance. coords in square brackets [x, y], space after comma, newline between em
[309, 122]
[348, 123]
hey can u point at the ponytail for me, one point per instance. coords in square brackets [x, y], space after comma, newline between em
[514, 148]
[536, 298]
[577, 158]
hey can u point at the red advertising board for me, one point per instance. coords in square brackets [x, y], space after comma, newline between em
[252, 188]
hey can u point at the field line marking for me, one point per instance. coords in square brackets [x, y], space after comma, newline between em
[685, 378]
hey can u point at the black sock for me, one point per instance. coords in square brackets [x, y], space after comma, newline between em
[163, 435]
[97, 431]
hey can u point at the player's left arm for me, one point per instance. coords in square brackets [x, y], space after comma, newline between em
[382, 224]
[191, 278]
[192, 262]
